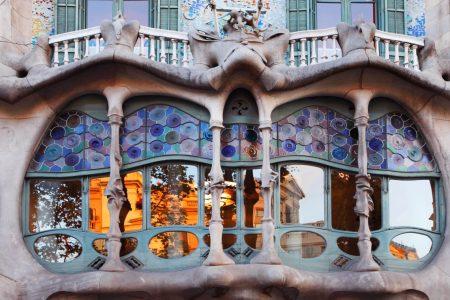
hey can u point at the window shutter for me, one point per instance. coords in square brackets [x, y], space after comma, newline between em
[297, 11]
[66, 14]
[167, 14]
[395, 16]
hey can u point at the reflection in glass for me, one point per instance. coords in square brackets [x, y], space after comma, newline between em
[302, 195]
[131, 213]
[254, 240]
[173, 244]
[253, 200]
[174, 195]
[328, 15]
[410, 246]
[128, 246]
[136, 10]
[350, 245]
[411, 203]
[54, 204]
[363, 12]
[228, 240]
[227, 201]
[303, 244]
[57, 248]
[343, 188]
[97, 11]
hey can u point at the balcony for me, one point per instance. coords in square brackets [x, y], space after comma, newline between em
[172, 47]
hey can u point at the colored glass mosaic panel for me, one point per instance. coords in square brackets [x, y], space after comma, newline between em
[304, 133]
[97, 144]
[343, 137]
[251, 142]
[171, 131]
[406, 147]
[206, 148]
[132, 138]
[62, 148]
[376, 144]
[230, 143]
[274, 141]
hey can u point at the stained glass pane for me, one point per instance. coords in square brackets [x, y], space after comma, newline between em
[132, 139]
[230, 143]
[97, 143]
[376, 144]
[54, 204]
[344, 139]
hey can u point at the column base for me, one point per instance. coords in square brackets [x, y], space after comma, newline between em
[217, 256]
[268, 254]
[113, 262]
[364, 265]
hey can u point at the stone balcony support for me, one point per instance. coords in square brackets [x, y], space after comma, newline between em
[114, 191]
[216, 256]
[364, 204]
[268, 254]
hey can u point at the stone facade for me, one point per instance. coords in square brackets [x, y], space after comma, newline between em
[32, 93]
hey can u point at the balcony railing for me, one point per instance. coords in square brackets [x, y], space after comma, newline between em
[167, 46]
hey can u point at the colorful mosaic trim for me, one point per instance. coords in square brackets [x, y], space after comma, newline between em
[241, 142]
[74, 142]
[161, 130]
[317, 132]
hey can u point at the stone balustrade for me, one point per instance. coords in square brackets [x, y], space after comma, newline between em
[307, 47]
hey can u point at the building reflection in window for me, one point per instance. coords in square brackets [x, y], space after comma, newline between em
[227, 201]
[173, 244]
[97, 11]
[302, 195]
[54, 204]
[174, 195]
[253, 200]
[343, 188]
[410, 246]
[411, 203]
[131, 213]
[303, 244]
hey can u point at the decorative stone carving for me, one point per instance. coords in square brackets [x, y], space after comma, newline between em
[431, 63]
[120, 34]
[268, 254]
[216, 256]
[114, 191]
[359, 36]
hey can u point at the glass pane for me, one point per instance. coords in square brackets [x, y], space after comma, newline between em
[132, 210]
[363, 12]
[343, 188]
[328, 15]
[174, 195]
[411, 203]
[128, 246]
[136, 10]
[228, 240]
[350, 245]
[54, 204]
[57, 248]
[98, 205]
[97, 11]
[410, 246]
[302, 195]
[303, 244]
[254, 240]
[173, 244]
[227, 201]
[253, 200]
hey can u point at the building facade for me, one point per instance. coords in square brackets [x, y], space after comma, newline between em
[231, 149]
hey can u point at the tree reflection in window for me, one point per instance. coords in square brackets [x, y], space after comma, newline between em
[343, 188]
[174, 195]
[54, 204]
[57, 248]
[227, 201]
[253, 200]
[173, 244]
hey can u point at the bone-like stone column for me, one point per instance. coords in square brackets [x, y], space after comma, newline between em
[216, 256]
[268, 254]
[364, 204]
[114, 191]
